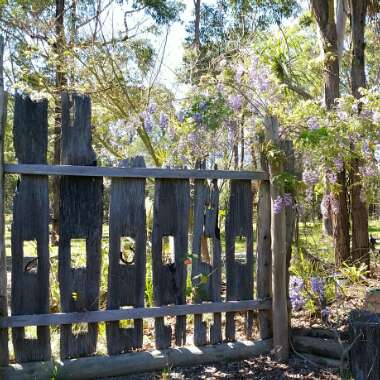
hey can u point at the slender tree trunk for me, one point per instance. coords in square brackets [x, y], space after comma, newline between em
[197, 21]
[60, 82]
[325, 16]
[359, 209]
[341, 18]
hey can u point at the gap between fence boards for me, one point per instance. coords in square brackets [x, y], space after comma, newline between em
[97, 171]
[133, 313]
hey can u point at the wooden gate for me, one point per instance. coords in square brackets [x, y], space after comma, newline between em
[175, 213]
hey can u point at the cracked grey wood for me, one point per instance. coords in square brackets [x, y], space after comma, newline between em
[30, 288]
[170, 218]
[81, 217]
[206, 278]
[126, 282]
[239, 223]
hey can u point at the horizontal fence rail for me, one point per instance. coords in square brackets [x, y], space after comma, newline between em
[96, 171]
[135, 313]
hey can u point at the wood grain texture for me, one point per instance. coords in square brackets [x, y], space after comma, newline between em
[170, 218]
[126, 282]
[30, 289]
[133, 313]
[92, 171]
[4, 351]
[264, 251]
[121, 365]
[206, 278]
[81, 217]
[239, 223]
[278, 240]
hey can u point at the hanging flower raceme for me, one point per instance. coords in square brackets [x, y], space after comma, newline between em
[235, 102]
[296, 288]
[281, 202]
[164, 120]
[310, 177]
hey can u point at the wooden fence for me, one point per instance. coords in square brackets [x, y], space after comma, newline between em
[81, 217]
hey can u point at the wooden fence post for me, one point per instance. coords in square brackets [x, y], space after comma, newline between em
[278, 235]
[264, 252]
[4, 354]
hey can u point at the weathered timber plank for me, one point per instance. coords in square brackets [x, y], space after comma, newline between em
[170, 218]
[135, 313]
[264, 251]
[88, 171]
[80, 217]
[30, 288]
[206, 277]
[239, 223]
[126, 281]
[4, 352]
[278, 241]
[136, 362]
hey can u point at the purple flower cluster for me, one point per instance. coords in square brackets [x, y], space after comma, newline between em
[281, 202]
[369, 170]
[310, 177]
[318, 286]
[164, 120]
[313, 123]
[339, 164]
[181, 116]
[152, 107]
[309, 195]
[331, 176]
[235, 102]
[296, 287]
[239, 73]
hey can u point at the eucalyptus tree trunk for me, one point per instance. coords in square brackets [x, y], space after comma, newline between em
[359, 209]
[60, 82]
[325, 15]
[197, 21]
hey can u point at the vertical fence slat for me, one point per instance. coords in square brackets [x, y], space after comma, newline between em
[80, 217]
[206, 277]
[170, 218]
[126, 282]
[4, 351]
[239, 223]
[264, 251]
[30, 283]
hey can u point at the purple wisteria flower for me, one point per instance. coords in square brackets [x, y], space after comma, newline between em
[235, 102]
[278, 205]
[202, 105]
[313, 123]
[309, 195]
[164, 120]
[342, 115]
[296, 287]
[369, 170]
[331, 176]
[181, 116]
[288, 200]
[318, 286]
[197, 117]
[339, 164]
[310, 177]
[152, 107]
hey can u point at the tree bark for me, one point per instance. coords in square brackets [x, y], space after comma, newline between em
[197, 21]
[359, 209]
[60, 82]
[324, 13]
